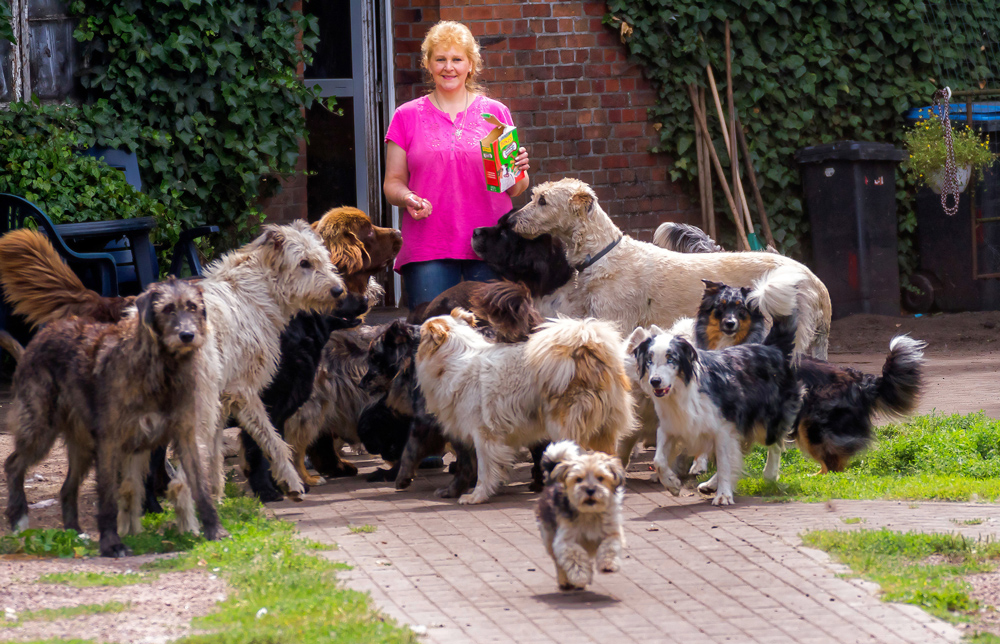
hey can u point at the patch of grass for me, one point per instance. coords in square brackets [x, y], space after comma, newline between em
[922, 569]
[946, 458]
[268, 566]
[853, 520]
[53, 614]
[358, 529]
[969, 521]
[158, 536]
[96, 579]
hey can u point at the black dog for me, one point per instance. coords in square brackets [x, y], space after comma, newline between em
[392, 373]
[539, 263]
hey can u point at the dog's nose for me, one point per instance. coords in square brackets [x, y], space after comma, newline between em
[336, 291]
[186, 337]
[655, 382]
[729, 324]
[590, 490]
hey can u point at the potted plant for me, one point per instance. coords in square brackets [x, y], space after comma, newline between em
[928, 151]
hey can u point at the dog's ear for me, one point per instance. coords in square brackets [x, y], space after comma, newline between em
[655, 330]
[560, 471]
[711, 288]
[638, 337]
[687, 356]
[617, 471]
[347, 252]
[144, 304]
[581, 203]
[274, 238]
[463, 316]
[433, 333]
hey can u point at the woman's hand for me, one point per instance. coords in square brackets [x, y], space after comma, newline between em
[417, 207]
[521, 163]
[521, 160]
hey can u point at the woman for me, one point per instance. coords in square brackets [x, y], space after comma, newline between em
[434, 168]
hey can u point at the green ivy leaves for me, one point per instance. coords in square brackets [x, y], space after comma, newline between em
[804, 73]
[208, 93]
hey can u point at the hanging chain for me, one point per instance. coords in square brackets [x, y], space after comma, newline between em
[950, 172]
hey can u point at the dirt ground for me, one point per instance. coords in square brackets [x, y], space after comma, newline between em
[963, 371]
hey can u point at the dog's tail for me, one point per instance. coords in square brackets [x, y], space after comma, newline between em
[684, 238]
[555, 454]
[43, 288]
[579, 366]
[782, 291]
[782, 334]
[898, 390]
[10, 344]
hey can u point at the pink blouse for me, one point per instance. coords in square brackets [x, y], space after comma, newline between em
[446, 167]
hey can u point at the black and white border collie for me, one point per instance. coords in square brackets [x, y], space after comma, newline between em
[721, 401]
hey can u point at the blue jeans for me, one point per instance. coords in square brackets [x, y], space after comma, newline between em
[423, 281]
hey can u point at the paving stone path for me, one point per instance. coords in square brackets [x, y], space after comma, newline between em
[692, 572]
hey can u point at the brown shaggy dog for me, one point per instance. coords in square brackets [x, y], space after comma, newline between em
[358, 248]
[113, 392]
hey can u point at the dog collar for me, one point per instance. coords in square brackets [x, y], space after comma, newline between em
[588, 261]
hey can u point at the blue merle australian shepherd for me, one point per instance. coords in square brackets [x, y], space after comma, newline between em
[721, 401]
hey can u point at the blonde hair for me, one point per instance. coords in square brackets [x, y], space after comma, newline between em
[448, 33]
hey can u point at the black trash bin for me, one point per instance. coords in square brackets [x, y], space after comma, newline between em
[850, 196]
[947, 275]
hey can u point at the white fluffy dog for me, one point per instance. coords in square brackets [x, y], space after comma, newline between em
[567, 381]
[250, 295]
[580, 513]
[634, 283]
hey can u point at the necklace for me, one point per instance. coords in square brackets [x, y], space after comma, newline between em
[465, 115]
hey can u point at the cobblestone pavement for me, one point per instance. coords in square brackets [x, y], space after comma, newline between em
[691, 572]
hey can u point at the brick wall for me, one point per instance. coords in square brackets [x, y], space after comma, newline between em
[289, 204]
[578, 103]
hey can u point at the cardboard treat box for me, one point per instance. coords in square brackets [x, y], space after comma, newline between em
[499, 149]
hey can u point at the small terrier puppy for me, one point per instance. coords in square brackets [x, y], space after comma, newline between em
[580, 512]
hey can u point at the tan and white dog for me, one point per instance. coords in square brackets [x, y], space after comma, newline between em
[567, 381]
[634, 283]
[580, 513]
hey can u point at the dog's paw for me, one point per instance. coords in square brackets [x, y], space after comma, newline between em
[579, 576]
[699, 466]
[707, 488]
[214, 533]
[723, 498]
[669, 480]
[612, 565]
[473, 498]
[116, 550]
[567, 587]
[21, 524]
[403, 482]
